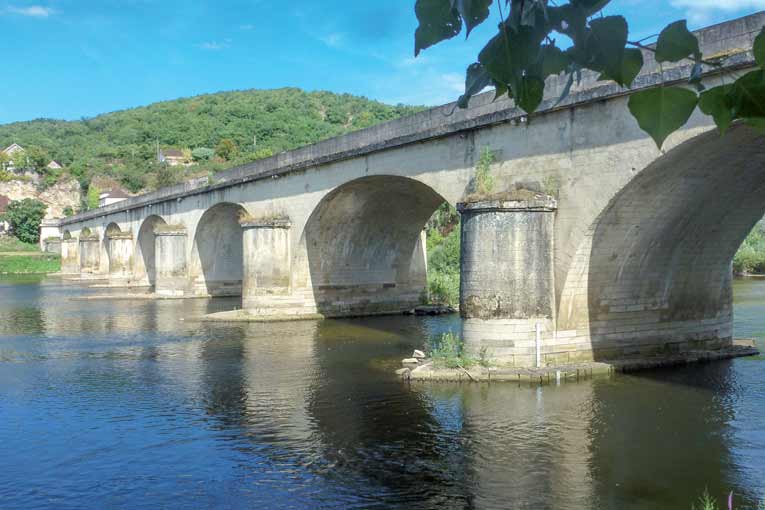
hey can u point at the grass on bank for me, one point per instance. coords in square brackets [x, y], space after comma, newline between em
[11, 244]
[17, 257]
[30, 263]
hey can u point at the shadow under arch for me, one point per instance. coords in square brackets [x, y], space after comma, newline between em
[67, 235]
[360, 243]
[217, 254]
[145, 270]
[659, 275]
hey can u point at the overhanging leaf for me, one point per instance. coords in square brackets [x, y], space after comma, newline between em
[676, 42]
[607, 42]
[590, 6]
[554, 61]
[476, 79]
[759, 48]
[662, 111]
[632, 63]
[747, 95]
[438, 22]
[473, 12]
[529, 94]
[716, 102]
[758, 123]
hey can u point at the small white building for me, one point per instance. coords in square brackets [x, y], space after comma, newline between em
[173, 157]
[55, 165]
[112, 197]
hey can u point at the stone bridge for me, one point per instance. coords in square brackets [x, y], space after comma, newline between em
[596, 244]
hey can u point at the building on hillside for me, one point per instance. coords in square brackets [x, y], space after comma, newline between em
[54, 165]
[112, 197]
[13, 149]
[172, 157]
[4, 225]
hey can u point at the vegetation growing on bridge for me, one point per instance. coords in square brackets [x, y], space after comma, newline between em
[524, 52]
[216, 131]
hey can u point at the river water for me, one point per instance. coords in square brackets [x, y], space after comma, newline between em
[133, 404]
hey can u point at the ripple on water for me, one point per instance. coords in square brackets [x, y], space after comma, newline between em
[132, 405]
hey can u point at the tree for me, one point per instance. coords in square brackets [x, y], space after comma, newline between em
[167, 176]
[25, 217]
[226, 149]
[523, 53]
[202, 154]
[93, 196]
[38, 158]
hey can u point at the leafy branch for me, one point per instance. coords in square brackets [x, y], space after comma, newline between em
[517, 61]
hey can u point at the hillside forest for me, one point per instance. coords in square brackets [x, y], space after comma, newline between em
[213, 132]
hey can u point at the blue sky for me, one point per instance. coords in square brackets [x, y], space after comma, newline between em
[76, 58]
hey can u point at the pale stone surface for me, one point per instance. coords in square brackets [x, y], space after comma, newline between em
[90, 255]
[642, 238]
[171, 266]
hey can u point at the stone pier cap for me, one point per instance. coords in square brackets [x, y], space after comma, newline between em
[170, 230]
[120, 235]
[514, 201]
[266, 223]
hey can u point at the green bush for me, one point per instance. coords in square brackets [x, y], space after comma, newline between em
[750, 258]
[448, 351]
[25, 217]
[444, 259]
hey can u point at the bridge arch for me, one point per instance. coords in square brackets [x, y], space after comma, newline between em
[85, 232]
[67, 235]
[145, 262]
[363, 245]
[655, 269]
[215, 267]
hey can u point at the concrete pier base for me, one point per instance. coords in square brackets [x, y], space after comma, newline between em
[171, 264]
[120, 258]
[506, 279]
[266, 283]
[90, 255]
[70, 259]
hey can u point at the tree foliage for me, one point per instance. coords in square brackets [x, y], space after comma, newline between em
[122, 144]
[25, 217]
[524, 52]
[93, 196]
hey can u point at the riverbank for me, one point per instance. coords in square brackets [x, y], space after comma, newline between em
[23, 258]
[427, 370]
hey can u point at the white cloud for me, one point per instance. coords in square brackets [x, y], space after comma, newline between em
[33, 11]
[216, 45]
[333, 40]
[700, 12]
[452, 82]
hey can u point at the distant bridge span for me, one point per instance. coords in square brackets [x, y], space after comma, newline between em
[606, 244]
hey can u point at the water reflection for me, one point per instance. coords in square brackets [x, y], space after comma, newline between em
[134, 404]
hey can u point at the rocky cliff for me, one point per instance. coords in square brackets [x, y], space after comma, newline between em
[64, 194]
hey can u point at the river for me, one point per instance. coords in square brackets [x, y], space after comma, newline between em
[133, 404]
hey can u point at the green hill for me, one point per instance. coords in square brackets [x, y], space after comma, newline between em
[123, 144]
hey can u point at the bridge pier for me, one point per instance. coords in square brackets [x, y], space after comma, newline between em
[90, 254]
[170, 258]
[70, 261]
[120, 257]
[266, 286]
[507, 292]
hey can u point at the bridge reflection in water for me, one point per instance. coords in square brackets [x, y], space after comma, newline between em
[135, 402]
